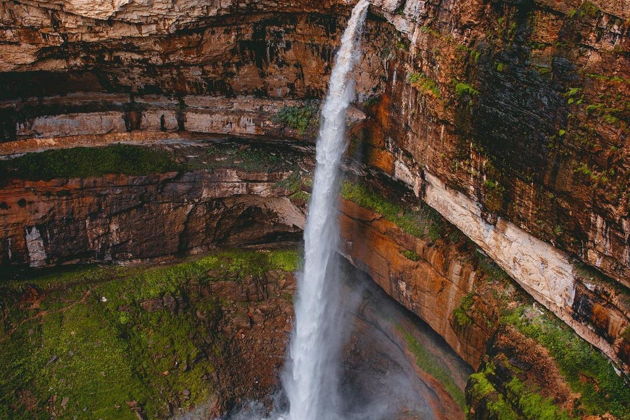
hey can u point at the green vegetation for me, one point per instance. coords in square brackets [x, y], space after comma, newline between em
[371, 101]
[594, 176]
[586, 9]
[586, 370]
[614, 79]
[490, 184]
[427, 30]
[422, 223]
[493, 194]
[424, 84]
[410, 255]
[82, 162]
[85, 345]
[481, 388]
[299, 118]
[402, 44]
[543, 70]
[434, 367]
[248, 157]
[295, 185]
[533, 405]
[518, 398]
[460, 314]
[462, 88]
[572, 96]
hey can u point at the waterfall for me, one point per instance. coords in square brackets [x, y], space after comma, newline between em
[311, 375]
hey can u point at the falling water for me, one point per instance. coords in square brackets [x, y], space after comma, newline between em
[311, 376]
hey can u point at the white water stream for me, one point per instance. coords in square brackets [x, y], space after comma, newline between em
[311, 376]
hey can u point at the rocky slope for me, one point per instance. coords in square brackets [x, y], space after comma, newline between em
[145, 342]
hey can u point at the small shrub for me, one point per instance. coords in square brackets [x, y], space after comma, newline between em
[424, 84]
[460, 314]
[465, 89]
[299, 118]
[410, 255]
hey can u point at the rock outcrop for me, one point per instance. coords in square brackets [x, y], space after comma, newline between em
[126, 217]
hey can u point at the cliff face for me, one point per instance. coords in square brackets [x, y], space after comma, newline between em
[508, 117]
[126, 217]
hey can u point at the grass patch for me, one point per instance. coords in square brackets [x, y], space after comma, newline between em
[83, 162]
[604, 391]
[424, 223]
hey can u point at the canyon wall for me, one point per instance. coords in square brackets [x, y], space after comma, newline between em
[508, 117]
[136, 217]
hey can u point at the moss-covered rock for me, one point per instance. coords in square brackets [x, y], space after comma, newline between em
[103, 342]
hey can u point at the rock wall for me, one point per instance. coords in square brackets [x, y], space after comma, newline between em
[422, 261]
[125, 217]
[508, 117]
[507, 102]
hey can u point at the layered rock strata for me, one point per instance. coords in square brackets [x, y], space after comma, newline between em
[508, 104]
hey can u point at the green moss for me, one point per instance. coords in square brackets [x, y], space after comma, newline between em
[424, 84]
[299, 118]
[410, 255]
[462, 88]
[614, 79]
[604, 391]
[93, 349]
[517, 401]
[460, 314]
[422, 223]
[502, 410]
[490, 184]
[597, 177]
[533, 405]
[434, 367]
[481, 388]
[248, 157]
[82, 162]
[543, 70]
